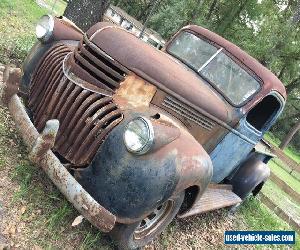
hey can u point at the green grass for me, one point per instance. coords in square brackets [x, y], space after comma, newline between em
[259, 217]
[17, 28]
[284, 175]
[23, 173]
[58, 6]
[59, 215]
[90, 240]
[290, 152]
[282, 199]
[287, 168]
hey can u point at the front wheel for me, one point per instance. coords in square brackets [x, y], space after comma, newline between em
[136, 235]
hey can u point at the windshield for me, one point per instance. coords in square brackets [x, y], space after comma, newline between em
[215, 66]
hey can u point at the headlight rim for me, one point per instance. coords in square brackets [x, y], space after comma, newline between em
[150, 131]
[49, 32]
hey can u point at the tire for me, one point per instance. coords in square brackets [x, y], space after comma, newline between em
[139, 234]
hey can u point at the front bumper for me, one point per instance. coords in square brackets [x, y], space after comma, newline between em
[40, 153]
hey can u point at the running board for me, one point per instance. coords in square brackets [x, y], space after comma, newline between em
[215, 196]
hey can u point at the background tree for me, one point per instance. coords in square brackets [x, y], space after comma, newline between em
[290, 135]
[85, 13]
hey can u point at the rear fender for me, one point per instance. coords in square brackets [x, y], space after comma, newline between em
[251, 174]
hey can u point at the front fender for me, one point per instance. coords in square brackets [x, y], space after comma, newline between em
[131, 186]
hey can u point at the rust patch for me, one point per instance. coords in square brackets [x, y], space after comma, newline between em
[134, 92]
[45, 141]
[11, 78]
[86, 115]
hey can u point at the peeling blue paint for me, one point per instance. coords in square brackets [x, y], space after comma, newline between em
[232, 150]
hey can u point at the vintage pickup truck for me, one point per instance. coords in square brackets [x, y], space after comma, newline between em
[134, 136]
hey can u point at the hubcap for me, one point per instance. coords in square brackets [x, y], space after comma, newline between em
[153, 220]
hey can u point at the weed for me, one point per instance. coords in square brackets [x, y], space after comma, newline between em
[23, 173]
[59, 215]
[90, 241]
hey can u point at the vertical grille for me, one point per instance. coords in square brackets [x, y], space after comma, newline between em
[85, 117]
[105, 72]
[187, 112]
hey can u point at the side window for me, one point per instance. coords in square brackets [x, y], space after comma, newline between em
[262, 115]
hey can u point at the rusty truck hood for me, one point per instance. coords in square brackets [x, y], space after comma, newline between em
[159, 68]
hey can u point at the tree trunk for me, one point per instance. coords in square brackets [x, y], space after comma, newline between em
[194, 13]
[85, 13]
[296, 16]
[290, 135]
[280, 74]
[155, 4]
[211, 9]
[142, 16]
[292, 85]
[228, 20]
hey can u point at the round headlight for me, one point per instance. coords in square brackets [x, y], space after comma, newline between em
[139, 135]
[44, 28]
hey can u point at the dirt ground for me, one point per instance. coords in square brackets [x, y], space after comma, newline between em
[34, 215]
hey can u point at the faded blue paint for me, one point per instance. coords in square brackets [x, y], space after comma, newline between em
[232, 150]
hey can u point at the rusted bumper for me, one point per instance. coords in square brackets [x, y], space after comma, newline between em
[40, 153]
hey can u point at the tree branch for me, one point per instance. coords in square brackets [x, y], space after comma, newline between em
[293, 85]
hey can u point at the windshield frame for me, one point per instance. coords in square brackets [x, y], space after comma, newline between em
[223, 50]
